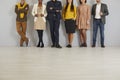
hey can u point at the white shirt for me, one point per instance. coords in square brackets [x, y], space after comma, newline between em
[98, 10]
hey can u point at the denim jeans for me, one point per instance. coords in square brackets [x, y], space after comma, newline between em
[97, 23]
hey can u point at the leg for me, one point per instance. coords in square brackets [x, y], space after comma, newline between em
[70, 38]
[38, 31]
[81, 38]
[84, 37]
[51, 22]
[24, 27]
[18, 27]
[102, 33]
[56, 28]
[95, 30]
[41, 38]
[56, 33]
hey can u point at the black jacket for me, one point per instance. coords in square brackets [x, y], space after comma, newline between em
[52, 13]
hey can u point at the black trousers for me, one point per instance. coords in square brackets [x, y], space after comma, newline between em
[40, 35]
[54, 29]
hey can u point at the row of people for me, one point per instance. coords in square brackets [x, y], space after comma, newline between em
[73, 16]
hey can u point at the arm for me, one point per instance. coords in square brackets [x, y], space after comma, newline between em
[33, 11]
[25, 10]
[75, 13]
[45, 12]
[49, 10]
[106, 12]
[89, 15]
[63, 13]
[78, 14]
[93, 10]
[59, 7]
[16, 9]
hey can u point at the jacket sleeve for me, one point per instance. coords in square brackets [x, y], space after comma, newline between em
[45, 12]
[33, 11]
[93, 10]
[106, 12]
[59, 7]
[50, 10]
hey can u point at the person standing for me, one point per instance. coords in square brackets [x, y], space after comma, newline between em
[99, 12]
[83, 21]
[69, 17]
[39, 13]
[54, 8]
[21, 9]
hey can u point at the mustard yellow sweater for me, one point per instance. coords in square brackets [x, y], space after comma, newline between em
[69, 14]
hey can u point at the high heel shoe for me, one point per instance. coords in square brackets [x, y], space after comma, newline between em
[38, 45]
[42, 46]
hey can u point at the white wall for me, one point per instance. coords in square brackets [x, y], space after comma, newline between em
[9, 36]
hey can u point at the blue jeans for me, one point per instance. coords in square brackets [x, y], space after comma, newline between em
[97, 23]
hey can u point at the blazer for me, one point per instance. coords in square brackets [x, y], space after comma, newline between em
[34, 12]
[52, 14]
[104, 10]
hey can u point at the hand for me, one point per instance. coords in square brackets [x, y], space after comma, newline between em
[101, 13]
[57, 10]
[88, 22]
[41, 15]
[51, 8]
[26, 8]
[36, 15]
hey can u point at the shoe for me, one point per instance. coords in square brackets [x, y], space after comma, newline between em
[93, 46]
[38, 45]
[69, 46]
[81, 45]
[102, 46]
[42, 46]
[27, 41]
[53, 45]
[84, 45]
[58, 46]
[21, 45]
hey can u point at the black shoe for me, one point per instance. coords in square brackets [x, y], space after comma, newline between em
[84, 45]
[93, 46]
[42, 46]
[81, 45]
[69, 46]
[53, 45]
[102, 46]
[38, 45]
[58, 46]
